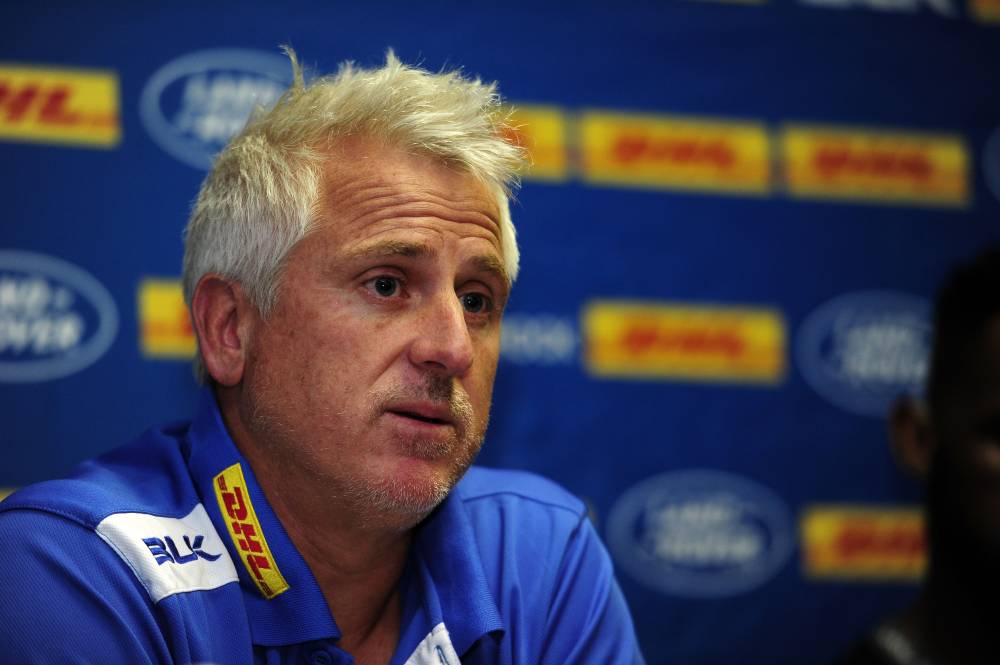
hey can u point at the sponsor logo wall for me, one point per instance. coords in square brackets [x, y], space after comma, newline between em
[66, 106]
[861, 350]
[192, 105]
[700, 533]
[746, 157]
[730, 246]
[685, 341]
[863, 543]
[55, 318]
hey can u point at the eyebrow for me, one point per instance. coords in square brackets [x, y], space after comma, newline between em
[488, 263]
[390, 248]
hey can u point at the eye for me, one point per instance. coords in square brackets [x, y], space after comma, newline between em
[385, 286]
[476, 303]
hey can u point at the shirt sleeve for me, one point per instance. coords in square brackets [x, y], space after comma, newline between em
[589, 622]
[66, 596]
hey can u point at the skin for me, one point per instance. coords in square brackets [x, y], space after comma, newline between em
[956, 447]
[364, 395]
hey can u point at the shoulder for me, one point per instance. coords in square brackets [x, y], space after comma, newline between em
[148, 475]
[65, 571]
[547, 569]
[105, 546]
[127, 512]
[517, 515]
[519, 519]
[482, 486]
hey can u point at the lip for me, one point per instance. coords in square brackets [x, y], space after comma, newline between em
[423, 413]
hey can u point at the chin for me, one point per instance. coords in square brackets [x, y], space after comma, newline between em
[409, 493]
[405, 504]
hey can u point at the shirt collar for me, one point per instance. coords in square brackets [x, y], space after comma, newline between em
[297, 614]
[455, 588]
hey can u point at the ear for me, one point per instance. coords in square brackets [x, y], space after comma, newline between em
[223, 320]
[910, 437]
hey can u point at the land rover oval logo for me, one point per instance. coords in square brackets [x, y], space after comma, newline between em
[193, 105]
[55, 319]
[700, 533]
[862, 350]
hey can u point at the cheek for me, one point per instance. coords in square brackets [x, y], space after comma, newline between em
[484, 371]
[295, 355]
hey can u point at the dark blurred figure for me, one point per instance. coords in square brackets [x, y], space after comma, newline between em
[953, 443]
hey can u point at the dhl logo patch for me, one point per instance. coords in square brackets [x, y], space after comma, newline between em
[987, 11]
[244, 529]
[541, 131]
[5, 492]
[864, 543]
[164, 324]
[59, 106]
[675, 153]
[682, 341]
[841, 163]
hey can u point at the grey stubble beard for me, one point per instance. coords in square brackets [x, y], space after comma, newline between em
[373, 501]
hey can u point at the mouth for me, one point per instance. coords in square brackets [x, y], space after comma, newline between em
[423, 414]
[416, 416]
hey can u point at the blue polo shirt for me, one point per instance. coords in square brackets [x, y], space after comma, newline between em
[166, 551]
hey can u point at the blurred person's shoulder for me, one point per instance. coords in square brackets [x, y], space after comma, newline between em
[886, 645]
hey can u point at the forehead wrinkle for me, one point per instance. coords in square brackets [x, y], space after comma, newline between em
[374, 194]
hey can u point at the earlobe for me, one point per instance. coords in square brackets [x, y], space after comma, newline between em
[220, 315]
[910, 437]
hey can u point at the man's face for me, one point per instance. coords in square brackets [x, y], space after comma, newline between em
[964, 481]
[373, 374]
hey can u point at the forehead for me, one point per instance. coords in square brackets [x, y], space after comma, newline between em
[370, 188]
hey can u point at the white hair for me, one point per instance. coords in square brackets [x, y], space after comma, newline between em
[263, 192]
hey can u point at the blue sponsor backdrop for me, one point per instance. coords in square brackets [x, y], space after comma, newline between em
[696, 485]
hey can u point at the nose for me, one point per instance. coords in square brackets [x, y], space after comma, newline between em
[442, 341]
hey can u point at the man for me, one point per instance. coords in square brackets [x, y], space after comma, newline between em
[954, 443]
[346, 267]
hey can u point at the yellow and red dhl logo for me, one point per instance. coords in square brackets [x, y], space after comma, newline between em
[244, 529]
[674, 152]
[865, 543]
[541, 130]
[683, 341]
[59, 106]
[165, 327]
[842, 163]
[987, 11]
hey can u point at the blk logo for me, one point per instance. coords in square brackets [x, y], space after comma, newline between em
[165, 550]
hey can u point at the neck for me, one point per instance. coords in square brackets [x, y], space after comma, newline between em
[357, 563]
[357, 569]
